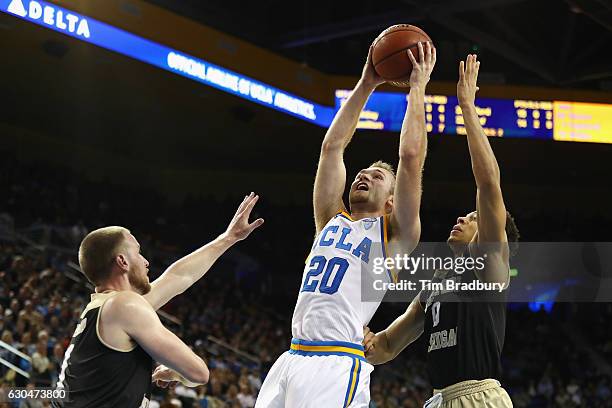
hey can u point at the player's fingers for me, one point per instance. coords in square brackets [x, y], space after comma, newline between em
[434, 55]
[248, 206]
[412, 59]
[253, 200]
[429, 55]
[461, 70]
[468, 67]
[244, 200]
[421, 52]
[476, 69]
[242, 204]
[255, 224]
[369, 343]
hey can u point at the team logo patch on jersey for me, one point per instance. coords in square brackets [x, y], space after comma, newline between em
[369, 222]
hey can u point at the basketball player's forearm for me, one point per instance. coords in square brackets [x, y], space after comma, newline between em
[484, 163]
[413, 136]
[186, 271]
[344, 124]
[400, 335]
[406, 328]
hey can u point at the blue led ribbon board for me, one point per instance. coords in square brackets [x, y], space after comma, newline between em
[87, 29]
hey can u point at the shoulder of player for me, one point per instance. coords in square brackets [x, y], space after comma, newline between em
[126, 306]
[322, 219]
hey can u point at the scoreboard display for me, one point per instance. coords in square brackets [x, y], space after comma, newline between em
[582, 122]
[554, 120]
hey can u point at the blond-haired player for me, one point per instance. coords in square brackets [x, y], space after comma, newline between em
[325, 366]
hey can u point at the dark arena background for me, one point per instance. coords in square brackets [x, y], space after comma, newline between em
[161, 115]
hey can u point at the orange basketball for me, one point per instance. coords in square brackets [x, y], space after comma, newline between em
[389, 55]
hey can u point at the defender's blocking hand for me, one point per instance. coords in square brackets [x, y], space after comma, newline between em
[468, 78]
[239, 227]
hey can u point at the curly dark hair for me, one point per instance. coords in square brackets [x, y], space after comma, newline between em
[512, 233]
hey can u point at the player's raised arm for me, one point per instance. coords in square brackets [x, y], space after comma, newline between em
[405, 220]
[331, 173]
[491, 211]
[188, 270]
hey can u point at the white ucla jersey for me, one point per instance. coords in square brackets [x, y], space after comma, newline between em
[329, 306]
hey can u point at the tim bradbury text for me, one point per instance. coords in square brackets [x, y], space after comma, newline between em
[448, 285]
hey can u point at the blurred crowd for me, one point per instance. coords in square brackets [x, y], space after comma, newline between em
[232, 317]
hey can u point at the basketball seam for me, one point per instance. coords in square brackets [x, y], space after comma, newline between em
[394, 54]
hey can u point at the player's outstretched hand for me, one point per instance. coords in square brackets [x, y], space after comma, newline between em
[421, 69]
[468, 77]
[239, 227]
[369, 76]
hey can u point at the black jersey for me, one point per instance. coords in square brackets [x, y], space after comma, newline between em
[465, 330]
[94, 374]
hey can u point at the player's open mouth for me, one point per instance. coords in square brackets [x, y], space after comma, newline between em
[456, 228]
[362, 187]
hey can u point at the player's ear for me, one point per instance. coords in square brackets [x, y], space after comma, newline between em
[389, 205]
[122, 262]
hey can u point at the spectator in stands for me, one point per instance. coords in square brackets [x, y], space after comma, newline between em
[7, 337]
[245, 396]
[26, 345]
[41, 365]
[56, 360]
